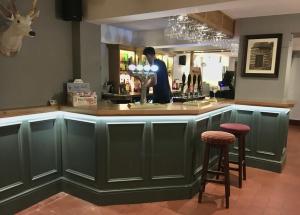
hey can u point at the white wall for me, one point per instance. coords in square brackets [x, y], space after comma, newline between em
[180, 69]
[213, 65]
[114, 35]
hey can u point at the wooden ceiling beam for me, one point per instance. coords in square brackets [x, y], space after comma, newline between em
[216, 20]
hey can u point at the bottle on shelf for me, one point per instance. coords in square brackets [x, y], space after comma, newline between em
[127, 87]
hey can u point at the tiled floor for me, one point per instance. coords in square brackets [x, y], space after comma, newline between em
[264, 193]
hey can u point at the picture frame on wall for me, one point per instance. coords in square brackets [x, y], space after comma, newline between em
[262, 55]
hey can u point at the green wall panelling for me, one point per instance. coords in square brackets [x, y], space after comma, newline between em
[12, 161]
[45, 150]
[226, 116]
[29, 197]
[268, 136]
[125, 154]
[169, 148]
[201, 126]
[80, 151]
[215, 121]
[248, 118]
[284, 128]
[113, 160]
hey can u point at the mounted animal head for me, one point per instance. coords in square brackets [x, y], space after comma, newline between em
[11, 39]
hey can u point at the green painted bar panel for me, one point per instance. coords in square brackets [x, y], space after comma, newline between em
[79, 151]
[268, 136]
[169, 144]
[113, 160]
[247, 118]
[11, 160]
[215, 122]
[125, 152]
[201, 126]
[44, 150]
[227, 116]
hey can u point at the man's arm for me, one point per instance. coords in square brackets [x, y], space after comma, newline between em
[129, 72]
[152, 81]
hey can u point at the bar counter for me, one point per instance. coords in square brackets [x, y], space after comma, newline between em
[105, 109]
[112, 154]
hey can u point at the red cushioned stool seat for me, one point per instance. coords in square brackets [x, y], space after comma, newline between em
[220, 140]
[217, 137]
[240, 131]
[235, 128]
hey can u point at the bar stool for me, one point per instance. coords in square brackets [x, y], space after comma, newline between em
[220, 140]
[240, 131]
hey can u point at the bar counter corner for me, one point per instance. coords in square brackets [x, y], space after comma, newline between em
[113, 154]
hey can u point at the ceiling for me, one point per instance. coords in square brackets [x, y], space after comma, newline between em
[238, 9]
[142, 25]
[254, 8]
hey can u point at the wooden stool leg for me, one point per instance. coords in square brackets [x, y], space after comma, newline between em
[226, 173]
[244, 156]
[240, 161]
[220, 162]
[204, 174]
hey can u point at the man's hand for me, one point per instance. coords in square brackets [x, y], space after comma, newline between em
[129, 72]
[152, 81]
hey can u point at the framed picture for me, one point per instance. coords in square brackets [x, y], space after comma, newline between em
[262, 55]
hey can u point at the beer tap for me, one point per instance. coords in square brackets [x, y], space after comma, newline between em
[199, 82]
[189, 84]
[183, 83]
[194, 83]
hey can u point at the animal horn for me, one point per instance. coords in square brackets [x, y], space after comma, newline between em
[5, 12]
[14, 7]
[34, 12]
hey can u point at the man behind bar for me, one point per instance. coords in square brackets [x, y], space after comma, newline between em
[160, 82]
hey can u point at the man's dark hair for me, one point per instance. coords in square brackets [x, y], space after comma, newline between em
[149, 51]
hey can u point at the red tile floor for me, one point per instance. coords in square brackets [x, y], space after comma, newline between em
[264, 193]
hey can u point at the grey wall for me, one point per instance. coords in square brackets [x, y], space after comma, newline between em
[260, 88]
[294, 86]
[90, 55]
[38, 72]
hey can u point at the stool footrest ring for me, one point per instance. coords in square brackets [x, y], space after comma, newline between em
[215, 181]
[215, 172]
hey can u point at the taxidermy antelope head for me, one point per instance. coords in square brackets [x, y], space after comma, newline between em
[20, 26]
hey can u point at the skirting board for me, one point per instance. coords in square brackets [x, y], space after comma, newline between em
[294, 122]
[260, 163]
[32, 196]
[108, 197]
[29, 197]
[129, 196]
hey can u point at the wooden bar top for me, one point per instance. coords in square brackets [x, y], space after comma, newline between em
[27, 111]
[149, 110]
[266, 103]
[106, 109]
